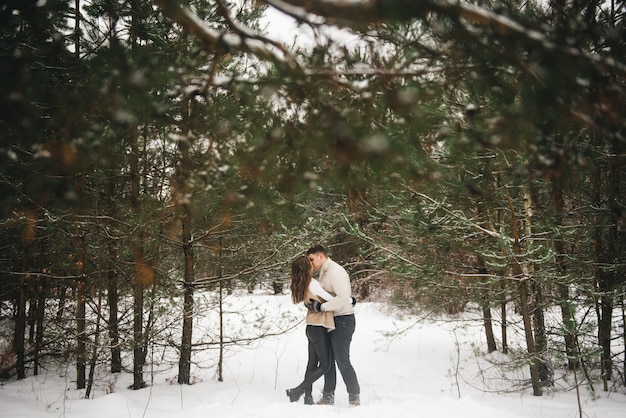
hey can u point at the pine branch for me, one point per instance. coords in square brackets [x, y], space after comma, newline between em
[358, 15]
[241, 40]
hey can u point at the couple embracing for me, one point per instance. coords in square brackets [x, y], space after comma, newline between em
[330, 324]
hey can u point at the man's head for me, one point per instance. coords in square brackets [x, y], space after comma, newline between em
[317, 256]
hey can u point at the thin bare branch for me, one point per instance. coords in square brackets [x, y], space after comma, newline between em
[456, 215]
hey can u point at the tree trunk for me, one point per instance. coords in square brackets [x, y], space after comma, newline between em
[491, 340]
[32, 309]
[541, 339]
[20, 328]
[603, 249]
[138, 286]
[530, 344]
[503, 325]
[522, 276]
[184, 364]
[624, 340]
[567, 309]
[19, 342]
[140, 272]
[80, 312]
[112, 290]
[94, 351]
[220, 363]
[536, 301]
[96, 336]
[62, 295]
[40, 312]
[604, 337]
[486, 308]
[616, 216]
[113, 322]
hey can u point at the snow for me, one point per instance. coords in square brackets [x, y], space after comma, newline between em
[407, 367]
[285, 29]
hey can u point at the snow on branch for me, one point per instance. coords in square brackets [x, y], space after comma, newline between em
[360, 13]
[241, 40]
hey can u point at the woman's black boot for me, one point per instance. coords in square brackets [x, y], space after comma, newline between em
[295, 393]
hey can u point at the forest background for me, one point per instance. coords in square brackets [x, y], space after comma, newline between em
[451, 155]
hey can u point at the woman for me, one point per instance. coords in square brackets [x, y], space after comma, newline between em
[303, 289]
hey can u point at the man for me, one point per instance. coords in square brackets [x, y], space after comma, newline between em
[335, 280]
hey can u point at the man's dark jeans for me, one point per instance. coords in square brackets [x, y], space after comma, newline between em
[340, 340]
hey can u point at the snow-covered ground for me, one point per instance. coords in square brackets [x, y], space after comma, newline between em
[406, 368]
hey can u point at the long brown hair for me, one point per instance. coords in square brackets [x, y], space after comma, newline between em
[301, 275]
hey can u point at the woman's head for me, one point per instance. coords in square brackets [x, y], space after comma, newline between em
[301, 271]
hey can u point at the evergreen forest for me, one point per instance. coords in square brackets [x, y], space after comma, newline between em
[453, 155]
